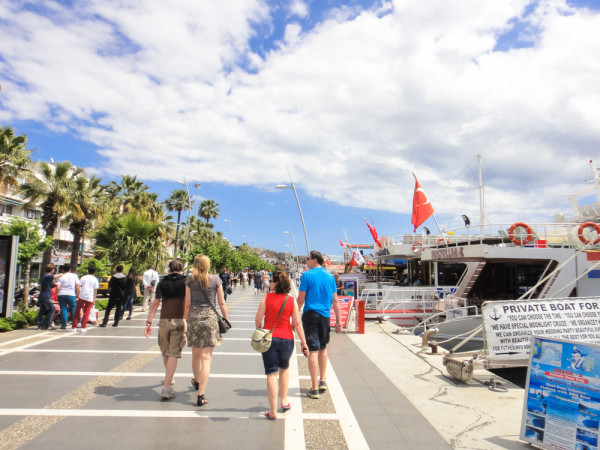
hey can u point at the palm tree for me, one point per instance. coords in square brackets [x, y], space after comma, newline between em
[209, 210]
[177, 201]
[53, 187]
[14, 158]
[130, 239]
[130, 195]
[89, 204]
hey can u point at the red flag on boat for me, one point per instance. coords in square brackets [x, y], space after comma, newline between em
[422, 209]
[373, 232]
[341, 243]
[370, 263]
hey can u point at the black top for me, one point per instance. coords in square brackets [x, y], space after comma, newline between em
[116, 286]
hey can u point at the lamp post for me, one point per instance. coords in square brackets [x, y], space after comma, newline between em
[187, 223]
[285, 186]
[230, 230]
[197, 186]
[294, 241]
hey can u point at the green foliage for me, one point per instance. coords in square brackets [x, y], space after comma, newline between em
[221, 255]
[101, 304]
[102, 267]
[5, 325]
[18, 320]
[31, 241]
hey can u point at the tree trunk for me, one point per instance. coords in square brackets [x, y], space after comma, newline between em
[26, 272]
[75, 250]
[47, 258]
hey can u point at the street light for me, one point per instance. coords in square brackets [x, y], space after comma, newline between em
[196, 185]
[187, 228]
[230, 230]
[294, 240]
[285, 186]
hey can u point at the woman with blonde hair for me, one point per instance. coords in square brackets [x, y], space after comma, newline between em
[202, 291]
[277, 308]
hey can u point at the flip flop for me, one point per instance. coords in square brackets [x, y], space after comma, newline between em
[268, 416]
[286, 408]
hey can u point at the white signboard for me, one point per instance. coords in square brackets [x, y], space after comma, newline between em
[508, 326]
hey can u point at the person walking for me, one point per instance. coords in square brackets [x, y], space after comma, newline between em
[87, 296]
[171, 291]
[116, 297]
[201, 294]
[46, 312]
[67, 291]
[276, 360]
[149, 282]
[257, 282]
[244, 278]
[225, 277]
[317, 293]
[266, 283]
[130, 294]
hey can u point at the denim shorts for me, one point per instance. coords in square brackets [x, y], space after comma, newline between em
[278, 355]
[316, 330]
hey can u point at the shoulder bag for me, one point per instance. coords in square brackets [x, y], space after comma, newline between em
[261, 338]
[224, 324]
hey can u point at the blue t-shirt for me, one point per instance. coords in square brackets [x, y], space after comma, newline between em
[46, 284]
[319, 286]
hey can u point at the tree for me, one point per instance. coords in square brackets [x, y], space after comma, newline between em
[14, 158]
[130, 195]
[53, 187]
[209, 210]
[130, 240]
[178, 201]
[89, 204]
[31, 243]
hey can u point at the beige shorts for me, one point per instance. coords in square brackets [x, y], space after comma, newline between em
[171, 337]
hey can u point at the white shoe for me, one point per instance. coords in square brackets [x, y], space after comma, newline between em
[72, 330]
[167, 392]
[83, 330]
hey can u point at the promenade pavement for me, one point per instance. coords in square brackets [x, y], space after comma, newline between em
[101, 390]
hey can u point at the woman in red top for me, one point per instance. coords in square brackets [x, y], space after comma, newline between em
[277, 358]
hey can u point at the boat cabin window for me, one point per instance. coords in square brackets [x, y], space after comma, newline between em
[449, 274]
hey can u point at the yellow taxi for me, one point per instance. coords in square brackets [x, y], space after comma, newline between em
[103, 286]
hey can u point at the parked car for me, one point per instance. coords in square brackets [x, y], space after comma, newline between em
[103, 286]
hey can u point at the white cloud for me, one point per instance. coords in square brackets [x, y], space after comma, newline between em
[352, 106]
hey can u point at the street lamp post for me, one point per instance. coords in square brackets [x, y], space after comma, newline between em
[196, 185]
[285, 186]
[187, 228]
[295, 248]
[230, 230]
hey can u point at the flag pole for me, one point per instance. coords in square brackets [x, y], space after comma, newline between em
[440, 230]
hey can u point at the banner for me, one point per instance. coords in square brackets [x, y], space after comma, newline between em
[345, 307]
[508, 326]
[562, 396]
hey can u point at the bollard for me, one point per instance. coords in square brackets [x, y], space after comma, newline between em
[359, 306]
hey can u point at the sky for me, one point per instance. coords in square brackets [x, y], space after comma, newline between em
[347, 99]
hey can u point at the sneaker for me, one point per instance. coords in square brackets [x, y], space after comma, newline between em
[322, 386]
[72, 330]
[63, 329]
[51, 328]
[102, 325]
[167, 392]
[313, 393]
[83, 330]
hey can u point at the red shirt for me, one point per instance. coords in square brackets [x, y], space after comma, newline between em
[283, 329]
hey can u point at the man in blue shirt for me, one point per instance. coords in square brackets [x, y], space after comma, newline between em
[317, 294]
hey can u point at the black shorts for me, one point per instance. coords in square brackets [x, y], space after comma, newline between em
[316, 330]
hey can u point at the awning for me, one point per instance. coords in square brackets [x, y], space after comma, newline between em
[10, 201]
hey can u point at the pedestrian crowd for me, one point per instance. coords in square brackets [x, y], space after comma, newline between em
[188, 314]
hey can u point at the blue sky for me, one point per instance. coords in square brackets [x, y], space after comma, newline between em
[351, 96]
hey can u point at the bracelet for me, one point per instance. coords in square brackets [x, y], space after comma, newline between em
[148, 324]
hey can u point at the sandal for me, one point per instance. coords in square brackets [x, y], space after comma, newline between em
[286, 408]
[195, 384]
[268, 416]
[201, 400]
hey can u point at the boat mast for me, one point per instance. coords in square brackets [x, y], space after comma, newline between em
[481, 198]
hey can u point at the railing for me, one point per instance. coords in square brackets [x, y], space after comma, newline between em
[449, 314]
[543, 235]
[401, 299]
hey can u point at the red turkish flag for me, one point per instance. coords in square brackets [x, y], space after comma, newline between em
[373, 232]
[422, 209]
[341, 243]
[370, 263]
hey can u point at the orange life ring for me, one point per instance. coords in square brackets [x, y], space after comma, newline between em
[441, 240]
[516, 240]
[585, 225]
[417, 247]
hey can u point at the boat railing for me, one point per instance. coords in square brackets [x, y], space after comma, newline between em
[449, 314]
[401, 299]
[540, 235]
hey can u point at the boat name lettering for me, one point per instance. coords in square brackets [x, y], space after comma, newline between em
[448, 253]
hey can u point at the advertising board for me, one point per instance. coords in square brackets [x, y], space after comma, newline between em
[345, 308]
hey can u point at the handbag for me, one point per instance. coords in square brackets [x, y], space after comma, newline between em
[261, 338]
[224, 324]
[229, 290]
